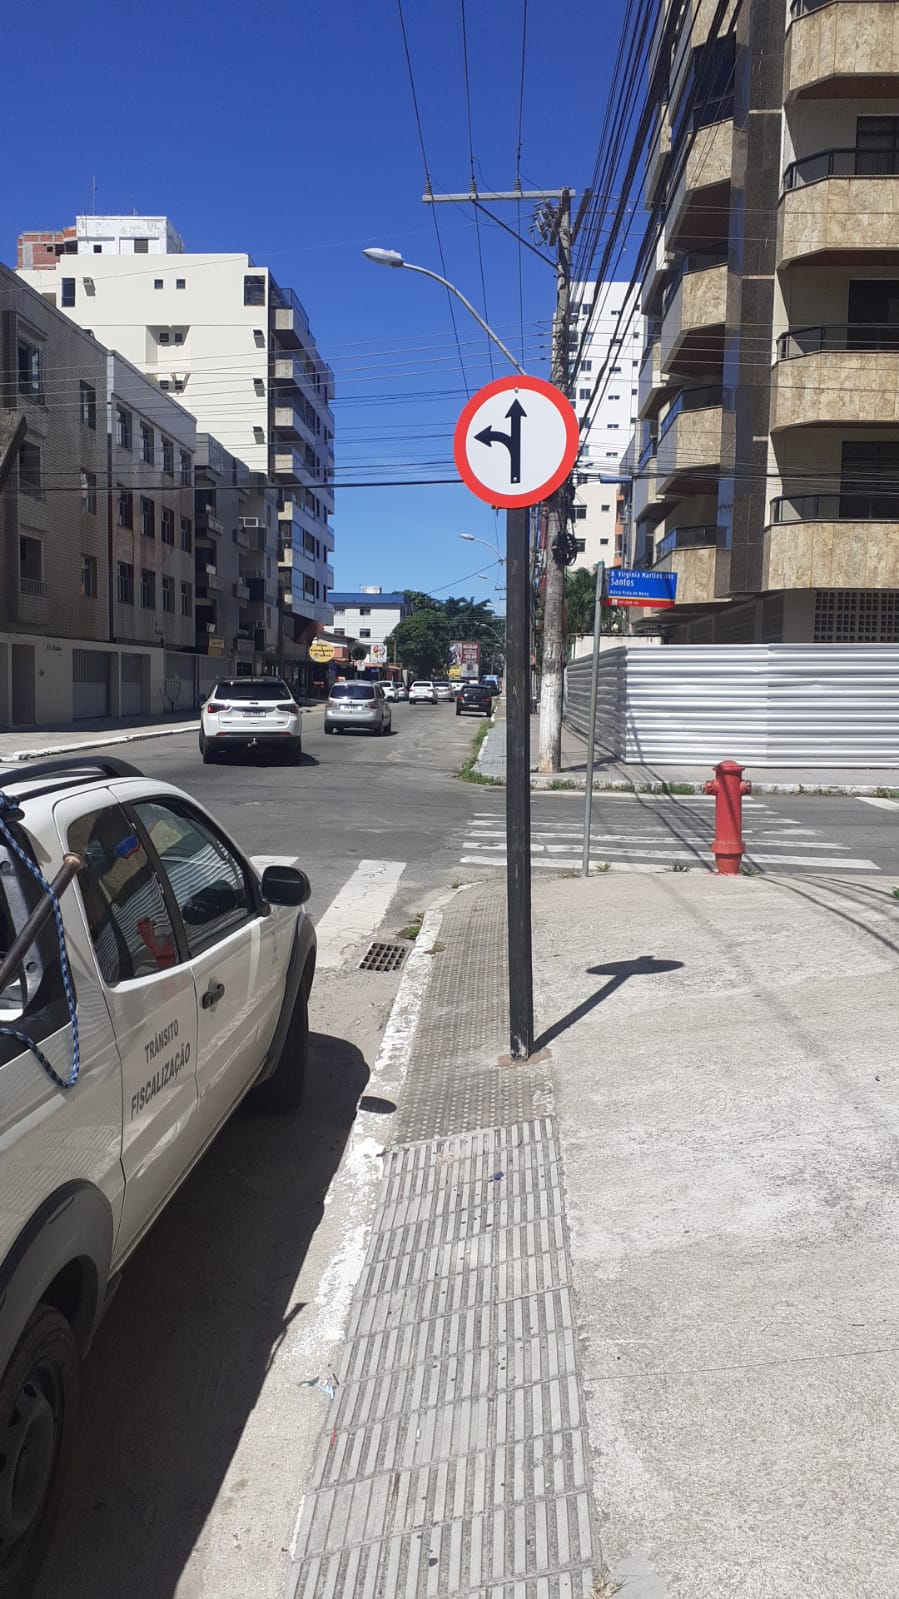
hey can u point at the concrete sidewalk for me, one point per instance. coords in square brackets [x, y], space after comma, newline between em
[628, 1313]
[610, 773]
[75, 737]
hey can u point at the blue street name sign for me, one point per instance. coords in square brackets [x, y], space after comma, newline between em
[656, 589]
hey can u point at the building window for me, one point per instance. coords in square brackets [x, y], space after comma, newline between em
[163, 338]
[30, 471]
[581, 544]
[579, 512]
[98, 249]
[187, 476]
[88, 405]
[29, 366]
[147, 518]
[616, 369]
[157, 283]
[365, 610]
[125, 583]
[586, 366]
[141, 246]
[179, 338]
[187, 537]
[31, 566]
[122, 428]
[167, 526]
[89, 492]
[607, 506]
[89, 577]
[254, 290]
[187, 599]
[125, 509]
[614, 396]
[168, 457]
[180, 283]
[612, 427]
[67, 291]
[147, 589]
[147, 451]
[168, 595]
[365, 632]
[583, 394]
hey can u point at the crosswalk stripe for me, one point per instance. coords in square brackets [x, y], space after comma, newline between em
[882, 803]
[356, 910]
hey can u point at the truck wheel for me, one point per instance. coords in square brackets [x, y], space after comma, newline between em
[38, 1407]
[284, 1089]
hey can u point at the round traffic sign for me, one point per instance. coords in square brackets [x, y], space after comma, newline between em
[516, 441]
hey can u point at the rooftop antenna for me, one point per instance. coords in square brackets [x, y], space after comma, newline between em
[93, 197]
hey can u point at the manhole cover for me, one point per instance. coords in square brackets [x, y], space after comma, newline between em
[383, 958]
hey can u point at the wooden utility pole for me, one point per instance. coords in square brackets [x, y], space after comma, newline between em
[549, 746]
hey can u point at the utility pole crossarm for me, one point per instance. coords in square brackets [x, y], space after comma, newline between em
[484, 194]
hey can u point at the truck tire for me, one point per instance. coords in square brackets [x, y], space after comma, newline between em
[38, 1409]
[284, 1089]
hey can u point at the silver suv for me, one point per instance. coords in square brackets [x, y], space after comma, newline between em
[137, 1008]
[358, 704]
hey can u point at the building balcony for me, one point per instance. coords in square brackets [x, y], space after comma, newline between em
[839, 205]
[837, 374]
[695, 568]
[207, 519]
[655, 275]
[690, 439]
[658, 152]
[840, 539]
[648, 501]
[290, 371]
[703, 536]
[241, 590]
[695, 307]
[249, 531]
[654, 386]
[34, 602]
[698, 208]
[838, 49]
[290, 463]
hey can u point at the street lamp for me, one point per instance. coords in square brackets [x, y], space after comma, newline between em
[518, 727]
[471, 539]
[392, 258]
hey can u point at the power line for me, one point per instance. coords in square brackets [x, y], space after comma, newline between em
[477, 219]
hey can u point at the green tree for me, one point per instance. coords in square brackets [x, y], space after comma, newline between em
[420, 642]
[580, 594]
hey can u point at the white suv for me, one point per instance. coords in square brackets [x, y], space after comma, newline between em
[422, 693]
[249, 713]
[171, 977]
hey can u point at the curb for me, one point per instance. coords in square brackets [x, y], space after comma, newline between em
[574, 785]
[100, 742]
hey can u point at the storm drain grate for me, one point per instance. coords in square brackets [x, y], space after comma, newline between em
[383, 958]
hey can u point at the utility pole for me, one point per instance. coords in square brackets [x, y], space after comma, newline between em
[549, 745]
[554, 223]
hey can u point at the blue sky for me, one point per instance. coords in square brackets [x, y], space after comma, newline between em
[288, 131]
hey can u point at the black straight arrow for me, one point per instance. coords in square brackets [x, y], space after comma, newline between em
[512, 439]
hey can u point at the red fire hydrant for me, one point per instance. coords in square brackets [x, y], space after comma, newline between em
[728, 790]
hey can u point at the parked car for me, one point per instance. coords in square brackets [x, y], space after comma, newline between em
[422, 693]
[188, 971]
[250, 713]
[456, 687]
[475, 697]
[442, 690]
[402, 693]
[358, 704]
[389, 691]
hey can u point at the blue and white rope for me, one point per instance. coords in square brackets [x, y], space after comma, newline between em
[8, 806]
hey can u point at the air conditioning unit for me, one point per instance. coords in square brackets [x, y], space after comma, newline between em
[210, 627]
[251, 521]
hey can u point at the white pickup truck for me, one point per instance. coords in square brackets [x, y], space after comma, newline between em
[176, 979]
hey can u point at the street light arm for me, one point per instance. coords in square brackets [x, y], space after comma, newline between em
[427, 273]
[471, 538]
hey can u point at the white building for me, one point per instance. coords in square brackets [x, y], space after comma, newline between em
[368, 615]
[604, 441]
[238, 351]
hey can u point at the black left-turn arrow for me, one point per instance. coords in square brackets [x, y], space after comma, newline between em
[512, 439]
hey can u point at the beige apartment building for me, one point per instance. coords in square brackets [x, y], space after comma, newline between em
[767, 459]
[96, 524]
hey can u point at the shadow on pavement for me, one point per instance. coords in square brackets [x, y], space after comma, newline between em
[180, 1359]
[618, 973]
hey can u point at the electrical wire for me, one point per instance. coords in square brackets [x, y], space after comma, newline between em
[474, 184]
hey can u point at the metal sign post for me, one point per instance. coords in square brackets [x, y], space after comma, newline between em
[518, 785]
[591, 734]
[514, 444]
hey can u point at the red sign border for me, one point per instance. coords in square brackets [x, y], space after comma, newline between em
[511, 502]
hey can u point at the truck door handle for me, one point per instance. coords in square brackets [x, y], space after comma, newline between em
[212, 995]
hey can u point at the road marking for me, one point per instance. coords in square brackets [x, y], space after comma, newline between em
[884, 804]
[356, 911]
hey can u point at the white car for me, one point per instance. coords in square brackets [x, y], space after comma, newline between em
[389, 691]
[250, 713]
[443, 690]
[402, 693]
[178, 980]
[422, 694]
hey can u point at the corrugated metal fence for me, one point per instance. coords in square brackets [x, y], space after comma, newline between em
[768, 704]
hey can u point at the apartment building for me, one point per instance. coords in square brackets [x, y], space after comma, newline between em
[768, 459]
[236, 564]
[368, 616]
[237, 350]
[605, 344]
